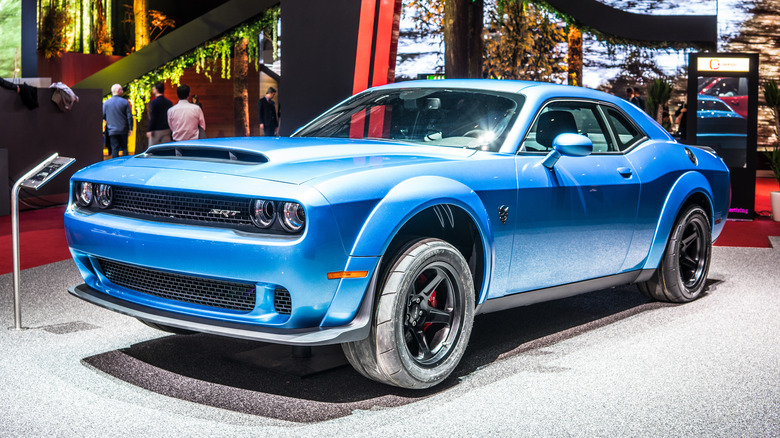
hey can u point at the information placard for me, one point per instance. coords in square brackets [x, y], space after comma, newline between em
[45, 175]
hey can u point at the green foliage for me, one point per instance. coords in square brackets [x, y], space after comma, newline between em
[524, 41]
[206, 58]
[771, 94]
[658, 94]
[104, 44]
[428, 15]
[10, 35]
[55, 21]
[772, 97]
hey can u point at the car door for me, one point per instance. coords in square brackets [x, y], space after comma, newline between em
[575, 221]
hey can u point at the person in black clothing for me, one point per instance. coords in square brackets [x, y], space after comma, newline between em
[159, 131]
[119, 120]
[682, 122]
[266, 107]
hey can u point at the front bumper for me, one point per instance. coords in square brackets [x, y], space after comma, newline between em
[356, 330]
[298, 264]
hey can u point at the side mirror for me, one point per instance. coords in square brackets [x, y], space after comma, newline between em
[570, 145]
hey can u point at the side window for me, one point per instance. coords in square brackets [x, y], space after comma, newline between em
[567, 117]
[626, 133]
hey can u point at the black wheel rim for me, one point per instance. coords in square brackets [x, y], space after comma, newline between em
[433, 315]
[692, 254]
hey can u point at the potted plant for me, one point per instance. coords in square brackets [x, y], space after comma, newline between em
[772, 97]
[658, 94]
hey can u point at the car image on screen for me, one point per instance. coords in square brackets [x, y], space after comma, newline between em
[722, 129]
[393, 219]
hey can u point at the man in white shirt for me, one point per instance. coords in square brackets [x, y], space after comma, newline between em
[185, 118]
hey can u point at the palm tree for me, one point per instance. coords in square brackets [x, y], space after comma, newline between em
[658, 94]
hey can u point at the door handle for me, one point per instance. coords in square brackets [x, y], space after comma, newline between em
[625, 171]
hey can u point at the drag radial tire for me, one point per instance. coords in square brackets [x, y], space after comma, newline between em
[683, 270]
[422, 320]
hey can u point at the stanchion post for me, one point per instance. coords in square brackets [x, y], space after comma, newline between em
[33, 179]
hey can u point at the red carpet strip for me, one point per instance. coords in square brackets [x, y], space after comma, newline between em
[41, 239]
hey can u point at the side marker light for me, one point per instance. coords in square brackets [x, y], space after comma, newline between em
[347, 274]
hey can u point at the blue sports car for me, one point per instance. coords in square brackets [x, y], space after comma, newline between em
[387, 223]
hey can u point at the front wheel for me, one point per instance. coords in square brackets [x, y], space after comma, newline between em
[683, 271]
[423, 318]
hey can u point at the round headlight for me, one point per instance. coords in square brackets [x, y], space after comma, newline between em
[104, 195]
[84, 193]
[293, 216]
[263, 212]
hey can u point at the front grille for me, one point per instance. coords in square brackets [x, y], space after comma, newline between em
[189, 289]
[212, 209]
[282, 301]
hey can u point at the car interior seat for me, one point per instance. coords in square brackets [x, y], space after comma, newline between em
[552, 123]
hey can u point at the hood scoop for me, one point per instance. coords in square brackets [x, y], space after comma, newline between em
[223, 155]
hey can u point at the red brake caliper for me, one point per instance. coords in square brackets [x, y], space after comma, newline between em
[433, 303]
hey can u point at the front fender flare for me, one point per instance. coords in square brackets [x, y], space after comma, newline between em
[412, 196]
[687, 185]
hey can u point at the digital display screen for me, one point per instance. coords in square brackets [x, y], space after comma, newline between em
[721, 117]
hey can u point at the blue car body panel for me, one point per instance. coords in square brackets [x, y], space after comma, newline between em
[598, 216]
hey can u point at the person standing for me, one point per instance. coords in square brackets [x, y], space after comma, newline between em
[637, 99]
[629, 93]
[185, 118]
[159, 131]
[119, 120]
[266, 107]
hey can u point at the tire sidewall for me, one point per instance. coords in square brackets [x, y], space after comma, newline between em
[447, 257]
[672, 277]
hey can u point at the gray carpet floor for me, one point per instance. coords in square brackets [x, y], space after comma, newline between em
[608, 363]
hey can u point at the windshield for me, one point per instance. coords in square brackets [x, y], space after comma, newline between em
[430, 116]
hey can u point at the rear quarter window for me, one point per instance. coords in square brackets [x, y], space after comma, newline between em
[627, 134]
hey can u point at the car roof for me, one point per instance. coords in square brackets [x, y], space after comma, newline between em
[535, 91]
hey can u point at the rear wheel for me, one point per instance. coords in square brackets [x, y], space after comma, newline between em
[683, 270]
[423, 318]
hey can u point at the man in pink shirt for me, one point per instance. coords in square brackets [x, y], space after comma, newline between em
[184, 118]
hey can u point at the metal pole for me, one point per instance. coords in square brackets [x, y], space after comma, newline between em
[15, 236]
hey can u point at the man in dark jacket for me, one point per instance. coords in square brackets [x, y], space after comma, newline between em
[119, 120]
[267, 109]
[158, 130]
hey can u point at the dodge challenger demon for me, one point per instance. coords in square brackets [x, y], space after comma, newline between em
[387, 223]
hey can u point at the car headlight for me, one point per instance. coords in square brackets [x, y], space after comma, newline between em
[104, 195]
[293, 217]
[84, 193]
[263, 213]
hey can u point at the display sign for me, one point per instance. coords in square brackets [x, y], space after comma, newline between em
[49, 171]
[718, 64]
[723, 92]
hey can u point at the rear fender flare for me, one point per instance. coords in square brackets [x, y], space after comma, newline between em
[687, 185]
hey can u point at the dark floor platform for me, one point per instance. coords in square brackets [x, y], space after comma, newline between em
[609, 363]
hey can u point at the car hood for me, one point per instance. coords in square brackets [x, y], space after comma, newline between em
[291, 160]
